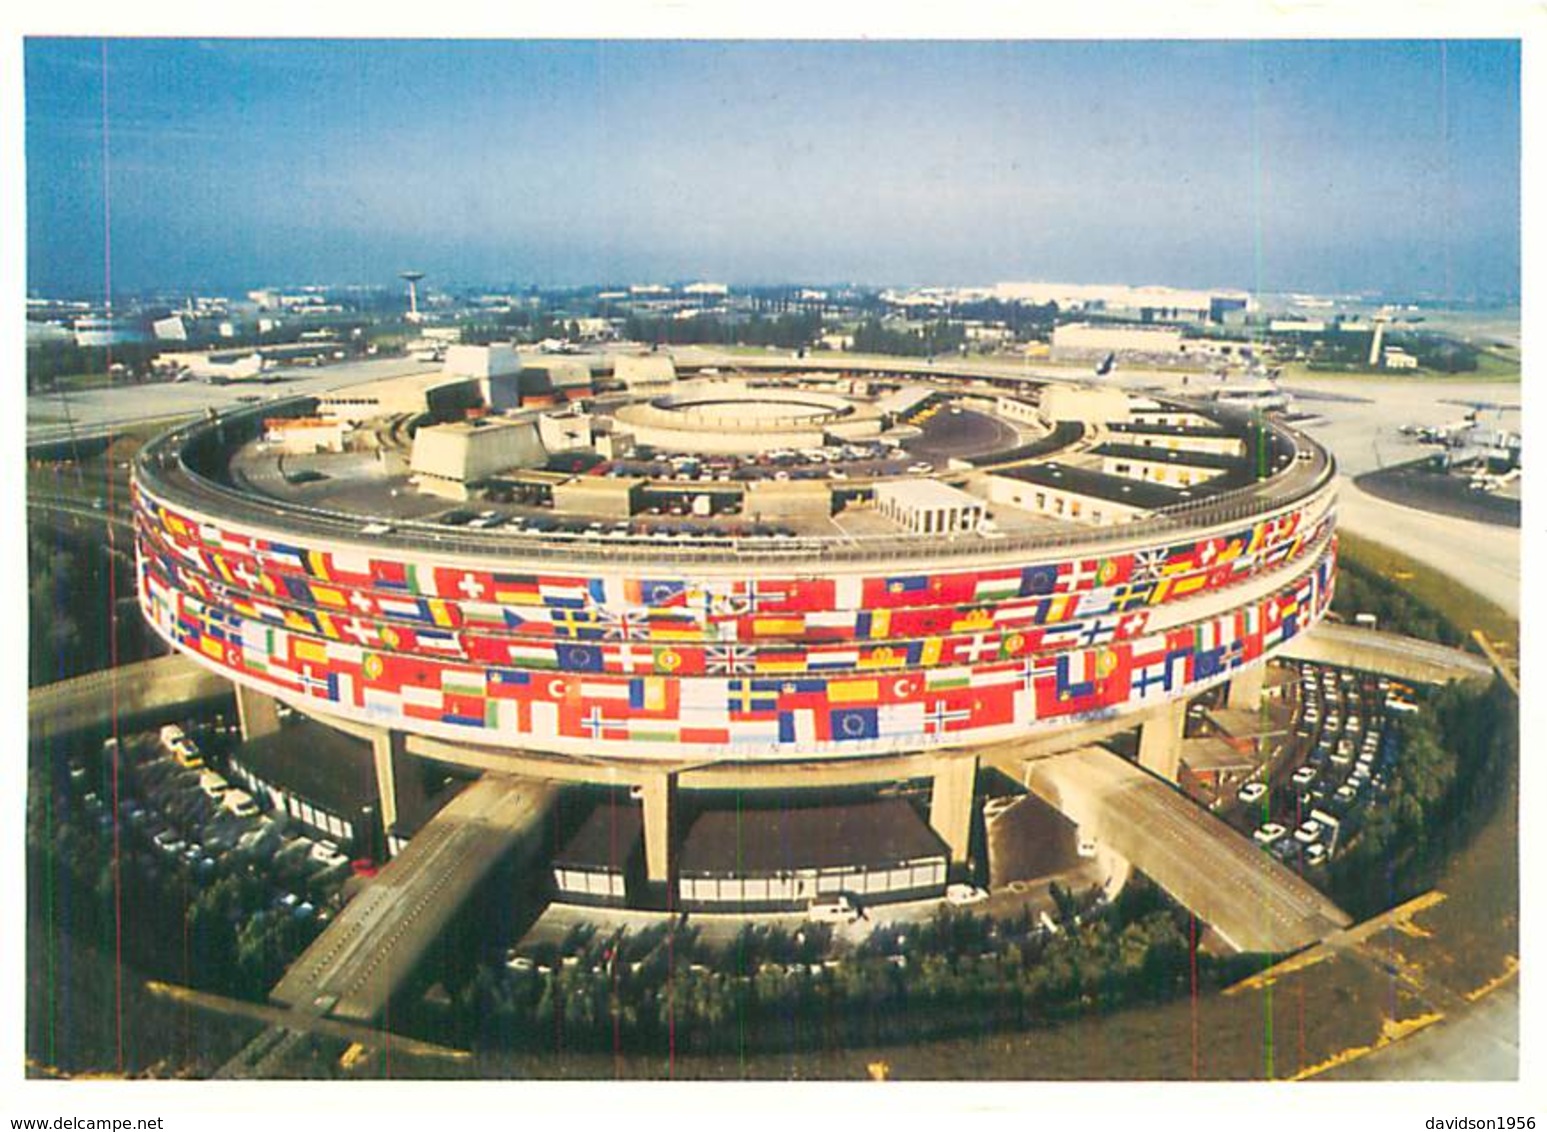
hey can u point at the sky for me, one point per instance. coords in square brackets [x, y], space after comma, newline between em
[1327, 166]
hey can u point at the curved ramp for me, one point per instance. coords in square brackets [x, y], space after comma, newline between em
[1247, 896]
[1390, 654]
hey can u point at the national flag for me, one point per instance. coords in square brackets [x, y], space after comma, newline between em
[515, 589]
[781, 660]
[438, 642]
[621, 624]
[507, 683]
[576, 622]
[731, 659]
[317, 564]
[972, 621]
[940, 716]
[853, 692]
[939, 679]
[1074, 676]
[656, 592]
[1076, 576]
[533, 655]
[891, 656]
[351, 565]
[996, 587]
[397, 607]
[1148, 565]
[573, 593]
[777, 626]
[283, 554]
[752, 697]
[703, 701]
[305, 649]
[977, 648]
[327, 595]
[902, 589]
[426, 699]
[895, 721]
[628, 658]
[651, 693]
[838, 621]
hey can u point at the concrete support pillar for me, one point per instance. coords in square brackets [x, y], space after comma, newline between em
[398, 782]
[257, 714]
[660, 803]
[1246, 688]
[1160, 740]
[950, 804]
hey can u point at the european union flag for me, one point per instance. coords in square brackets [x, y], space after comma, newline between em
[1206, 664]
[855, 723]
[580, 658]
[1037, 580]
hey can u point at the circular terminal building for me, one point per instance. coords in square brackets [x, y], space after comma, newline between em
[769, 586]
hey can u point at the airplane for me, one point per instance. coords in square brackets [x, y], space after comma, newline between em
[249, 367]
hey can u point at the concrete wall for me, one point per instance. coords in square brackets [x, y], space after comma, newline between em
[464, 452]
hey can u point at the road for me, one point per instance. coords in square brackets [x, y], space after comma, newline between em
[1482, 556]
[1247, 896]
[1406, 658]
[364, 956]
[148, 687]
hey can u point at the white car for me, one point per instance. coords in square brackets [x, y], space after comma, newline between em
[328, 854]
[832, 910]
[239, 802]
[1269, 834]
[962, 894]
[1309, 833]
[1252, 792]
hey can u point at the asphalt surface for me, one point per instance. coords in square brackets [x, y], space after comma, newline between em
[1250, 899]
[359, 961]
[87, 411]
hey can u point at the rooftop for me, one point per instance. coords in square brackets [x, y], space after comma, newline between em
[745, 841]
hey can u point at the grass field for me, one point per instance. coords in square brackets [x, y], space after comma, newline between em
[1464, 609]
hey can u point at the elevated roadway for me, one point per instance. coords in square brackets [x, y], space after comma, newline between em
[145, 691]
[368, 951]
[1249, 898]
[1390, 654]
[365, 956]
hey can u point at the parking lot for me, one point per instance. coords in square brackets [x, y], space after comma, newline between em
[1336, 765]
[180, 817]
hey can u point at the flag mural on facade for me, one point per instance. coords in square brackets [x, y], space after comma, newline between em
[757, 664]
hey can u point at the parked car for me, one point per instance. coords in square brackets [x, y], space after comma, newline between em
[240, 803]
[832, 910]
[1252, 792]
[1269, 833]
[963, 894]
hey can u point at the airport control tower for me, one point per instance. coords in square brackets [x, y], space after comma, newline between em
[412, 278]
